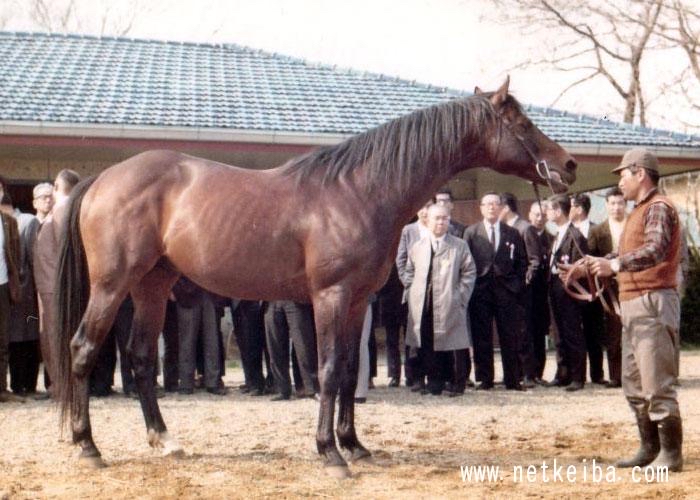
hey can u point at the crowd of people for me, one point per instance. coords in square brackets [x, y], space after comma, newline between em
[463, 287]
[453, 291]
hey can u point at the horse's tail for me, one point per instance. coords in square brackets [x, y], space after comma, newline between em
[72, 292]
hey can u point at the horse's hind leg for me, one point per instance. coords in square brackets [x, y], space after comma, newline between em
[347, 437]
[85, 346]
[150, 296]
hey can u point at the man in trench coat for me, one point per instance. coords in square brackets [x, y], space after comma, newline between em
[440, 275]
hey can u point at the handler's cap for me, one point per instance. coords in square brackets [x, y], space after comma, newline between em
[638, 157]
[42, 189]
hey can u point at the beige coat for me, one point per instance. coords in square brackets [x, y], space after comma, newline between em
[453, 278]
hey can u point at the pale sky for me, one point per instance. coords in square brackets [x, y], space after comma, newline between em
[442, 42]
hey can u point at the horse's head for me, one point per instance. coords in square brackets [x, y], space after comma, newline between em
[520, 148]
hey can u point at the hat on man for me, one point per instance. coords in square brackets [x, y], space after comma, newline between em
[640, 158]
[42, 189]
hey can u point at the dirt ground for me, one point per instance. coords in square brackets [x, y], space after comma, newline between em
[241, 446]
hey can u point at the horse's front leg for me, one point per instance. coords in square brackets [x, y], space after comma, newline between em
[347, 436]
[330, 313]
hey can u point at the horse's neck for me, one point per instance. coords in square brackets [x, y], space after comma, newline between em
[404, 203]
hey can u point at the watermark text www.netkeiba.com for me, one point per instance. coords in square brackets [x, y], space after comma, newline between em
[557, 472]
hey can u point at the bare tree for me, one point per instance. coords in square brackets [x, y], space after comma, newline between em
[680, 27]
[593, 39]
[99, 17]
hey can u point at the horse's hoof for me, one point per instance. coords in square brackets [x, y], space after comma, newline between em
[338, 471]
[174, 451]
[169, 446]
[92, 462]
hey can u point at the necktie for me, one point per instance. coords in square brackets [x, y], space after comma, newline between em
[493, 237]
[436, 247]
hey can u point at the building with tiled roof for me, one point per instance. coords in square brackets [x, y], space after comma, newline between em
[86, 102]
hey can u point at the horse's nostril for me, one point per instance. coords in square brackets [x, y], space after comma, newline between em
[571, 165]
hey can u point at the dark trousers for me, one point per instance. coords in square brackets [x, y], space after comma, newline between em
[393, 315]
[285, 321]
[194, 322]
[24, 360]
[4, 333]
[526, 347]
[538, 325]
[434, 365]
[488, 303]
[613, 337]
[459, 364]
[170, 341]
[248, 325]
[571, 345]
[102, 375]
[592, 317]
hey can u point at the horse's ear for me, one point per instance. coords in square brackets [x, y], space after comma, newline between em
[499, 97]
[478, 91]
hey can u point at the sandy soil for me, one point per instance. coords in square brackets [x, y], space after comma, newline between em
[240, 446]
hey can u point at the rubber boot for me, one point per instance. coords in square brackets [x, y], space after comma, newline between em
[649, 443]
[671, 437]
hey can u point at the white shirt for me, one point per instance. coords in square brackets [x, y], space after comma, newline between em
[584, 226]
[557, 243]
[615, 232]
[497, 235]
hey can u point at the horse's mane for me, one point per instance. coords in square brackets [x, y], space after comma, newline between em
[404, 147]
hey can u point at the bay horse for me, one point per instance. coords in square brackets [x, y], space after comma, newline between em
[322, 228]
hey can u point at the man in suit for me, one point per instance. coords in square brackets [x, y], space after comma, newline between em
[539, 317]
[569, 246]
[410, 234]
[592, 314]
[603, 240]
[24, 357]
[501, 261]
[511, 217]
[440, 275]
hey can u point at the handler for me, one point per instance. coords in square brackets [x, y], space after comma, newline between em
[646, 268]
